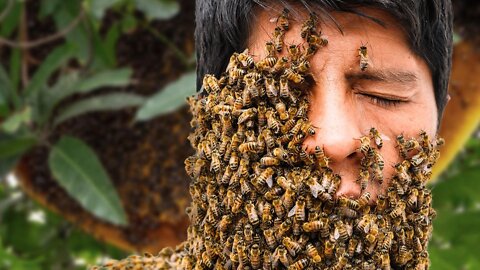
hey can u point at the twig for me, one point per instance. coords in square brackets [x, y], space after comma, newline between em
[44, 40]
[23, 36]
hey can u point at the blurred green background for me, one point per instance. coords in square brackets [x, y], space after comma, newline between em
[92, 121]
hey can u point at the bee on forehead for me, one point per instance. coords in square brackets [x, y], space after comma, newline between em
[364, 60]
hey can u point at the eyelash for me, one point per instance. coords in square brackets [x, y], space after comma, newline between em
[383, 102]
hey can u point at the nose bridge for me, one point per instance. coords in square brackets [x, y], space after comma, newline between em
[334, 118]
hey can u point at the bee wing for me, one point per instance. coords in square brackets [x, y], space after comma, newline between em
[270, 181]
[384, 137]
[315, 188]
[274, 19]
[292, 211]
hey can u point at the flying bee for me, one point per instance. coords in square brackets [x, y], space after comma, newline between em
[363, 54]
[267, 161]
[293, 76]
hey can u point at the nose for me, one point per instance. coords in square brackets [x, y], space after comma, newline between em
[337, 132]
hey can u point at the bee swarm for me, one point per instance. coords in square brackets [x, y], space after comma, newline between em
[260, 201]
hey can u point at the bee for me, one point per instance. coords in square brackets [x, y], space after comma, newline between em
[267, 161]
[350, 203]
[273, 193]
[313, 253]
[270, 50]
[251, 87]
[347, 212]
[307, 128]
[418, 159]
[272, 122]
[342, 261]
[404, 255]
[269, 139]
[255, 256]
[315, 41]
[271, 88]
[237, 203]
[288, 198]
[314, 186]
[292, 246]
[293, 76]
[280, 65]
[246, 99]
[320, 156]
[308, 26]
[377, 173]
[300, 264]
[398, 210]
[376, 137]
[216, 163]
[364, 145]
[270, 238]
[235, 74]
[313, 226]
[278, 207]
[300, 209]
[245, 59]
[364, 199]
[282, 20]
[262, 109]
[363, 54]
[234, 160]
[282, 110]
[340, 233]
[247, 115]
[211, 83]
[280, 154]
[387, 241]
[248, 147]
[328, 249]
[224, 223]
[199, 167]
[352, 246]
[252, 213]
[267, 213]
[267, 63]
[242, 254]
[245, 186]
[281, 255]
[278, 36]
[294, 52]
[266, 177]
[284, 89]
[283, 228]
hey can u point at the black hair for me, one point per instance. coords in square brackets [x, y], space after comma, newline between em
[223, 27]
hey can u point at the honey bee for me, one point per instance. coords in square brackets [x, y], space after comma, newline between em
[235, 75]
[248, 147]
[282, 110]
[293, 76]
[340, 233]
[234, 160]
[308, 26]
[252, 87]
[398, 210]
[282, 20]
[272, 193]
[292, 246]
[314, 186]
[279, 65]
[252, 213]
[364, 145]
[377, 173]
[377, 138]
[328, 249]
[199, 167]
[272, 122]
[418, 159]
[280, 154]
[237, 204]
[281, 255]
[300, 209]
[313, 253]
[269, 139]
[300, 264]
[271, 88]
[288, 198]
[320, 156]
[267, 161]
[270, 238]
[255, 256]
[315, 41]
[342, 261]
[267, 63]
[210, 83]
[283, 228]
[245, 59]
[294, 52]
[347, 212]
[266, 177]
[363, 54]
[278, 207]
[246, 99]
[364, 199]
[216, 163]
[278, 36]
[224, 223]
[284, 89]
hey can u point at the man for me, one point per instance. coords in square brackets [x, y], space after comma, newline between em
[313, 136]
[402, 91]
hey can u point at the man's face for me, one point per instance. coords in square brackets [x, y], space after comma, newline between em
[394, 93]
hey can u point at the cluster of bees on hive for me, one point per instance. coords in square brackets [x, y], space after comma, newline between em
[261, 201]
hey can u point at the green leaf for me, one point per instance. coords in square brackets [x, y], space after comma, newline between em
[98, 7]
[158, 9]
[78, 170]
[14, 122]
[108, 78]
[54, 60]
[15, 69]
[113, 101]
[11, 149]
[110, 43]
[10, 22]
[169, 99]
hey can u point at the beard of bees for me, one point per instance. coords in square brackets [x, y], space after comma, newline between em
[260, 201]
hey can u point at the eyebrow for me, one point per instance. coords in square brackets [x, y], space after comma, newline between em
[388, 76]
